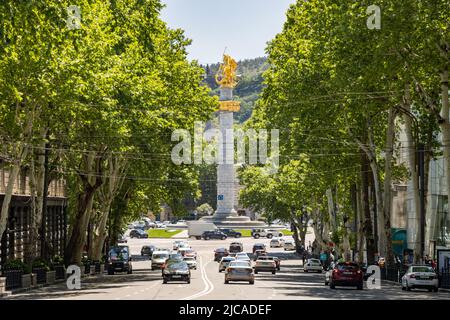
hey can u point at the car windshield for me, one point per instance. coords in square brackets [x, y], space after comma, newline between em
[160, 256]
[179, 265]
[189, 259]
[347, 267]
[314, 261]
[118, 254]
[228, 259]
[221, 250]
[422, 269]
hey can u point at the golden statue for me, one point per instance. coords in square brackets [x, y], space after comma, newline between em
[226, 76]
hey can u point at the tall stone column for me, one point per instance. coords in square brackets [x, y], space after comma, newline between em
[225, 170]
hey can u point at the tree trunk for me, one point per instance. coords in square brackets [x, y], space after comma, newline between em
[367, 226]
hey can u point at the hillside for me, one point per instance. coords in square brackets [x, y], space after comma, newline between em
[249, 87]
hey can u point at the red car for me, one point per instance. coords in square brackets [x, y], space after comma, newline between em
[347, 274]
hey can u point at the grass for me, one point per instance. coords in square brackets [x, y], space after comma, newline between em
[161, 233]
[248, 232]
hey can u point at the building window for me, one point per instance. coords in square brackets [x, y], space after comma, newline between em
[443, 222]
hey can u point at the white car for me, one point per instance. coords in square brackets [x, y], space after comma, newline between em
[191, 262]
[289, 245]
[159, 258]
[277, 243]
[313, 265]
[166, 223]
[242, 256]
[177, 244]
[420, 276]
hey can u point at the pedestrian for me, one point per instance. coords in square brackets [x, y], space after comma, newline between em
[304, 257]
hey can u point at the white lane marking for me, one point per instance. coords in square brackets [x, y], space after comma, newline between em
[208, 284]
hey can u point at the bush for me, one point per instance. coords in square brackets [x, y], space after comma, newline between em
[17, 265]
[41, 263]
[58, 261]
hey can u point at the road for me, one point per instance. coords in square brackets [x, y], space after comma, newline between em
[207, 283]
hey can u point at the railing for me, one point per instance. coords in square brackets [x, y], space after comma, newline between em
[40, 275]
[393, 274]
[13, 278]
[444, 279]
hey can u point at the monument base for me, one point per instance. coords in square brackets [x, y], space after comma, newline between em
[233, 221]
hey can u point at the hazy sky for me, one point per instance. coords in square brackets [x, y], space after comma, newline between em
[243, 26]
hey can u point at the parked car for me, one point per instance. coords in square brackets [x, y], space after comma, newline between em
[346, 274]
[259, 246]
[242, 256]
[239, 271]
[236, 247]
[224, 262]
[220, 253]
[313, 265]
[265, 265]
[270, 258]
[277, 243]
[119, 260]
[289, 245]
[214, 234]
[231, 233]
[159, 258]
[420, 276]
[147, 250]
[138, 233]
[191, 262]
[265, 233]
[177, 271]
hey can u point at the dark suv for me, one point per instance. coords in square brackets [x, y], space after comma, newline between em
[214, 235]
[231, 233]
[220, 253]
[119, 260]
[138, 233]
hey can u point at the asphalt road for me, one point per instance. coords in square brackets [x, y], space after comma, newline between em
[207, 283]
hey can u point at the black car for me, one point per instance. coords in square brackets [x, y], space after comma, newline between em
[176, 270]
[119, 260]
[219, 253]
[138, 233]
[231, 233]
[236, 247]
[214, 235]
[147, 250]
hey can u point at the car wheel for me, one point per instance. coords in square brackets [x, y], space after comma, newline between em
[430, 289]
[223, 238]
[110, 272]
[220, 270]
[256, 272]
[227, 282]
[256, 236]
[206, 238]
[252, 282]
[237, 236]
[164, 280]
[188, 281]
[269, 236]
[360, 286]
[403, 287]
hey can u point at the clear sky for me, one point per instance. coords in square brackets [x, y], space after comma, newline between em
[243, 26]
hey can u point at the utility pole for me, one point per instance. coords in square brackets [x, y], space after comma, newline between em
[421, 172]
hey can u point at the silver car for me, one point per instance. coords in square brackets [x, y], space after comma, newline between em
[224, 262]
[420, 276]
[239, 271]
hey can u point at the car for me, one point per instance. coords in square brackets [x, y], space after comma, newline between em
[420, 277]
[265, 265]
[138, 233]
[219, 253]
[166, 223]
[265, 233]
[224, 262]
[346, 274]
[236, 247]
[175, 255]
[289, 245]
[271, 258]
[176, 244]
[277, 243]
[177, 271]
[159, 258]
[259, 246]
[188, 252]
[313, 265]
[328, 273]
[242, 256]
[181, 222]
[239, 271]
[191, 262]
[214, 234]
[231, 233]
[147, 250]
[259, 253]
[119, 260]
[122, 239]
